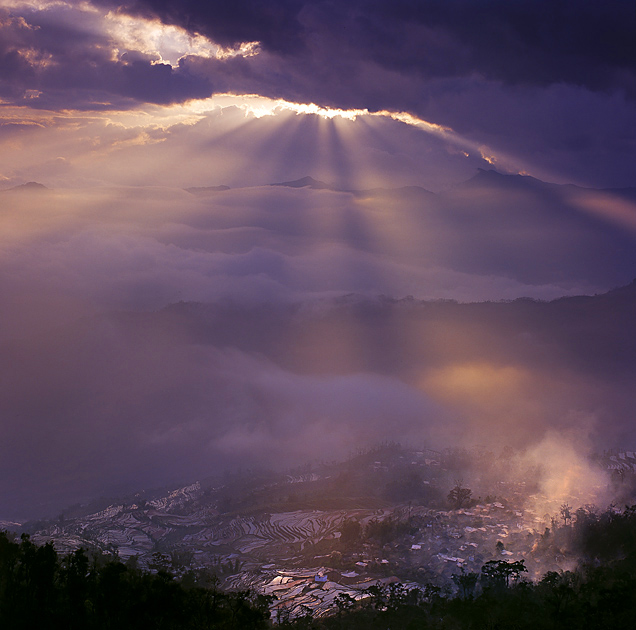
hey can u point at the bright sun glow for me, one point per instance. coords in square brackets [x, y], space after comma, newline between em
[169, 44]
[259, 106]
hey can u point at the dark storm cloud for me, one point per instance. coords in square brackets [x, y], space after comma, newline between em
[364, 53]
[551, 82]
[537, 43]
[274, 24]
[542, 42]
[57, 60]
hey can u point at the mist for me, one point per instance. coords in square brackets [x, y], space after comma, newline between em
[151, 336]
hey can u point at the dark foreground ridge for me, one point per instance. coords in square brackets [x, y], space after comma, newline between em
[38, 589]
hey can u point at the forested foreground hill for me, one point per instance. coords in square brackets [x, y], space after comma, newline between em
[38, 589]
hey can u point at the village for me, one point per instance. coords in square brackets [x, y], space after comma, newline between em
[295, 538]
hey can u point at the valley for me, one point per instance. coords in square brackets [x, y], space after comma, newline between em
[313, 537]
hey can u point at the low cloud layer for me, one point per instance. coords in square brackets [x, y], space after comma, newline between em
[495, 237]
[106, 388]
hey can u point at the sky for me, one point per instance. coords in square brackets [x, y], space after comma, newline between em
[543, 87]
[461, 150]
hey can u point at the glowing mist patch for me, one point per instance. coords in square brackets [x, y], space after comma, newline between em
[473, 382]
[565, 473]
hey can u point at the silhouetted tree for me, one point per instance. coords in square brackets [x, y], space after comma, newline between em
[350, 531]
[499, 573]
[459, 496]
[566, 513]
[465, 582]
[38, 590]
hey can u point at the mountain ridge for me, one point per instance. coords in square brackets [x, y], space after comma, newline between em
[29, 186]
[482, 178]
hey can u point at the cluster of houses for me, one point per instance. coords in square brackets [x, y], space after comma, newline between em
[620, 461]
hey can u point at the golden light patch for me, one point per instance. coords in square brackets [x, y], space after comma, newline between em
[611, 208]
[37, 5]
[18, 22]
[474, 383]
[566, 473]
[143, 138]
[259, 106]
[245, 49]
[488, 156]
[37, 59]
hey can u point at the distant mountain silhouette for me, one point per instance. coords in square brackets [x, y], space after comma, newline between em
[491, 177]
[494, 179]
[305, 182]
[310, 182]
[594, 333]
[484, 178]
[29, 186]
[206, 190]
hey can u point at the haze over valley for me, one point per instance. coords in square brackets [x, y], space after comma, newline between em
[153, 336]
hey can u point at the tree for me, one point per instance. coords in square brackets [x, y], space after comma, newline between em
[566, 513]
[350, 531]
[559, 590]
[345, 603]
[78, 592]
[465, 582]
[386, 530]
[459, 496]
[499, 573]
